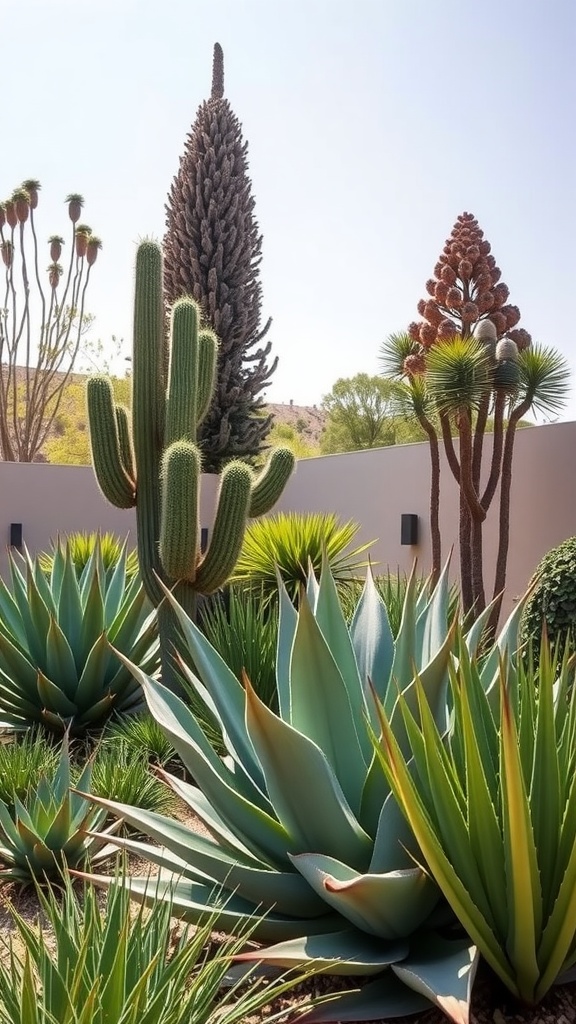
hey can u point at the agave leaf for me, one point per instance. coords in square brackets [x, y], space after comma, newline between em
[320, 707]
[384, 998]
[344, 952]
[191, 901]
[70, 610]
[460, 897]
[433, 680]
[93, 620]
[443, 971]
[260, 831]
[303, 788]
[431, 623]
[390, 905]
[394, 843]
[15, 665]
[520, 858]
[60, 663]
[546, 799]
[287, 622]
[10, 618]
[93, 671]
[53, 697]
[225, 690]
[116, 587]
[200, 859]
[374, 794]
[334, 628]
[505, 648]
[372, 641]
[405, 650]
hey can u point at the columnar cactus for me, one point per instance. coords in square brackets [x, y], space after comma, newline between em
[154, 462]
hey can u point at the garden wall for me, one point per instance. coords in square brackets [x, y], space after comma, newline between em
[373, 487]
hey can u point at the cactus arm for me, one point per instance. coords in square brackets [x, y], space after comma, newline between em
[125, 442]
[148, 399]
[111, 473]
[179, 520]
[207, 355]
[181, 415]
[272, 480]
[228, 529]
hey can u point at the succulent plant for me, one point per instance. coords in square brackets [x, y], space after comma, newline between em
[493, 805]
[47, 830]
[301, 818]
[81, 546]
[150, 459]
[56, 663]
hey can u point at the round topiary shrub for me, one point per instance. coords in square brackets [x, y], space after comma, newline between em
[553, 599]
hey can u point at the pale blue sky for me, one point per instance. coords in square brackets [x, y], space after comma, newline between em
[371, 125]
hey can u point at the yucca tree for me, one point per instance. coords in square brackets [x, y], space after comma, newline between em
[471, 362]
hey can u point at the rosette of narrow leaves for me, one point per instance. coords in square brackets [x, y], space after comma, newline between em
[47, 830]
[493, 806]
[289, 544]
[300, 816]
[56, 663]
[107, 965]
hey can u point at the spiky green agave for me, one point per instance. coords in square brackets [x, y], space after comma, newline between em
[56, 663]
[493, 806]
[301, 817]
[48, 830]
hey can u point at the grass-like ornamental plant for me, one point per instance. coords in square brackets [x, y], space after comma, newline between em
[290, 543]
[493, 806]
[47, 830]
[243, 628]
[121, 773]
[142, 735]
[301, 817]
[107, 965]
[81, 547]
[56, 663]
[24, 757]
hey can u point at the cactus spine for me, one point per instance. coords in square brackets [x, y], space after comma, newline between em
[154, 463]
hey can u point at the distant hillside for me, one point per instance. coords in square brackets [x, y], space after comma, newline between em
[307, 420]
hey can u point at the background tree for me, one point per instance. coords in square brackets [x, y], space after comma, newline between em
[212, 251]
[474, 361]
[362, 413]
[36, 358]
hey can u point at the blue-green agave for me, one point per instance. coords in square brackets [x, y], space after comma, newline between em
[301, 817]
[56, 663]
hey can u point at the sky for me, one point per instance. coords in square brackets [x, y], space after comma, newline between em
[371, 126]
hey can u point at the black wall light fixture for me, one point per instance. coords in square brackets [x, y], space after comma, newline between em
[408, 529]
[16, 535]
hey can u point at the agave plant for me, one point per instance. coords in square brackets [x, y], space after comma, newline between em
[56, 663]
[47, 830]
[493, 805]
[301, 817]
[105, 964]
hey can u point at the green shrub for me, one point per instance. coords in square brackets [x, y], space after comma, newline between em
[121, 773]
[553, 599]
[290, 543]
[142, 735]
[108, 965]
[24, 757]
[244, 631]
[82, 546]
